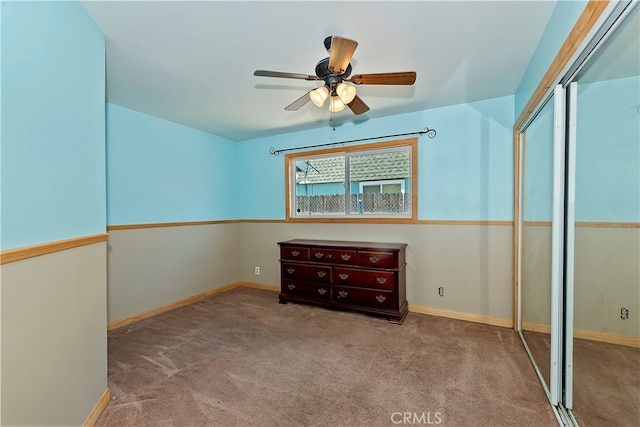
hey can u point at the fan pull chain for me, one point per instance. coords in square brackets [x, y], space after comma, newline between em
[332, 116]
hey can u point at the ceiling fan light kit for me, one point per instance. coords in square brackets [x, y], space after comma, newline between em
[335, 104]
[346, 92]
[319, 95]
[335, 71]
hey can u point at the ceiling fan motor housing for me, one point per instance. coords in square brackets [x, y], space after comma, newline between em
[323, 71]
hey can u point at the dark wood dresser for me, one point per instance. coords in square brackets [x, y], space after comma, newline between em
[359, 276]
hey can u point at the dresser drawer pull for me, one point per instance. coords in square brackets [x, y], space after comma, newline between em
[381, 298]
[322, 291]
[381, 280]
[322, 273]
[291, 270]
[319, 255]
[374, 259]
[345, 257]
[295, 253]
[343, 294]
[291, 286]
[343, 276]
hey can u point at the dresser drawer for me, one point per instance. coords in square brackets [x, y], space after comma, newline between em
[333, 256]
[317, 291]
[363, 278]
[294, 252]
[363, 297]
[305, 272]
[376, 259]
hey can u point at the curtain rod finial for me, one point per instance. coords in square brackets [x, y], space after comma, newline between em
[431, 133]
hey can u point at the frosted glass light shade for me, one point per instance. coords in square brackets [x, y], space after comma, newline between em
[336, 104]
[346, 92]
[319, 95]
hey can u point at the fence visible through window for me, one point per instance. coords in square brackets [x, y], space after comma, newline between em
[361, 203]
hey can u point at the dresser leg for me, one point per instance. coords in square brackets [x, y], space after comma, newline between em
[398, 320]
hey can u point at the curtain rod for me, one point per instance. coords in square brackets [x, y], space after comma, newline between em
[431, 133]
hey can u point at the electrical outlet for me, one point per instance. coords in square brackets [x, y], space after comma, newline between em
[624, 313]
[441, 291]
[257, 271]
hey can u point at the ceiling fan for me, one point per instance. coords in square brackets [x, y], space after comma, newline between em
[335, 71]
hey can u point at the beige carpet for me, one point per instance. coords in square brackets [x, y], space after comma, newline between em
[242, 359]
[606, 380]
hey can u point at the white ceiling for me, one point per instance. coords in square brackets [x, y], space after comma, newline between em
[193, 62]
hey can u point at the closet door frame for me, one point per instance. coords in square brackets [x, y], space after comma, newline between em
[557, 245]
[572, 111]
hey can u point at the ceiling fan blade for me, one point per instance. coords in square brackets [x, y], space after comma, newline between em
[298, 103]
[341, 52]
[265, 73]
[358, 106]
[403, 78]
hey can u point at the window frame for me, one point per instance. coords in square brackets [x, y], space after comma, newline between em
[290, 186]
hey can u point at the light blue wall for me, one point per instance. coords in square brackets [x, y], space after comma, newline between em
[465, 173]
[608, 129]
[564, 16]
[160, 171]
[607, 155]
[608, 151]
[53, 104]
[538, 167]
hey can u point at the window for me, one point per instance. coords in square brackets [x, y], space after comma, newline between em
[366, 181]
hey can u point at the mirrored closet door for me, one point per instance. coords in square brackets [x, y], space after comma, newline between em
[536, 247]
[579, 231]
[603, 237]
